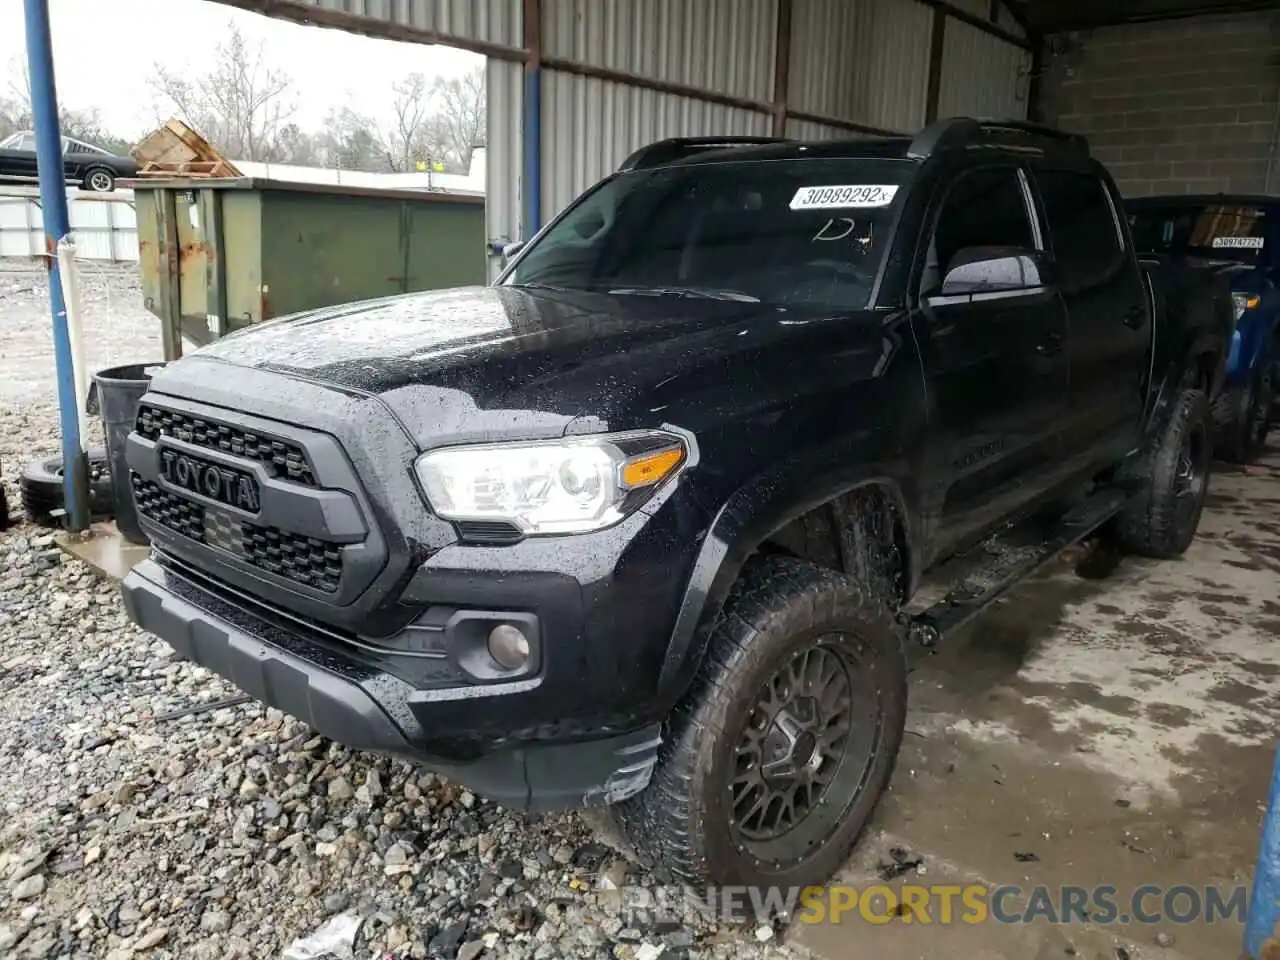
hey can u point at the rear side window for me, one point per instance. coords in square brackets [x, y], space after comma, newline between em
[1082, 225]
[983, 208]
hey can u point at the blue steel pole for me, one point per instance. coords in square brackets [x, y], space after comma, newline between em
[1264, 904]
[532, 173]
[53, 201]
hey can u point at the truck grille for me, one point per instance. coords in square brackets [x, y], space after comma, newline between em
[284, 459]
[305, 560]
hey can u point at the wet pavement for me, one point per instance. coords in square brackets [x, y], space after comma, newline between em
[1116, 729]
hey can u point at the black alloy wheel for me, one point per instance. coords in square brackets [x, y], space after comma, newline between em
[806, 751]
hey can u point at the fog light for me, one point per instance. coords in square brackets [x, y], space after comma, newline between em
[508, 646]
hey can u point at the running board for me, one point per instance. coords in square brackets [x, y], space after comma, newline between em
[1004, 560]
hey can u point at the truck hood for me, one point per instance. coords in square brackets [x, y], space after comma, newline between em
[495, 362]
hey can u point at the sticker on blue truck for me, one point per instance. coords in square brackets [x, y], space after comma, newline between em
[1237, 243]
[844, 197]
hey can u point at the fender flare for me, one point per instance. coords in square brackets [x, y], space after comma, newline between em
[740, 526]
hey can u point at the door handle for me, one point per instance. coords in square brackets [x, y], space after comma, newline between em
[1050, 346]
[1134, 318]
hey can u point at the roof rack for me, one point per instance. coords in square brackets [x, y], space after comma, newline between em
[959, 132]
[664, 151]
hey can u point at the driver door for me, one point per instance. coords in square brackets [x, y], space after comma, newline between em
[19, 159]
[996, 361]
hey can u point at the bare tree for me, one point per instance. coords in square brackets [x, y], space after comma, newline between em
[405, 140]
[460, 116]
[16, 114]
[350, 142]
[241, 106]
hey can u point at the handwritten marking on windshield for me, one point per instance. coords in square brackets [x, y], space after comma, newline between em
[824, 235]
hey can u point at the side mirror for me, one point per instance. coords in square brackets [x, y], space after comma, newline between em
[992, 270]
[509, 250]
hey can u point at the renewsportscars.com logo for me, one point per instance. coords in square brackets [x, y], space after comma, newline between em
[941, 904]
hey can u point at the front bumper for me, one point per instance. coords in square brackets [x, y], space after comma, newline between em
[347, 697]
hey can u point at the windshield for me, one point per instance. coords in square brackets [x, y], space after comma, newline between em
[784, 232]
[1219, 231]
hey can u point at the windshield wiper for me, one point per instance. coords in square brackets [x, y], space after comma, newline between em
[701, 293]
[541, 286]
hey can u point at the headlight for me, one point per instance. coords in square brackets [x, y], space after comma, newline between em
[1243, 302]
[555, 486]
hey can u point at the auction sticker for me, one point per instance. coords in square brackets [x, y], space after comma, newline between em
[859, 195]
[1236, 243]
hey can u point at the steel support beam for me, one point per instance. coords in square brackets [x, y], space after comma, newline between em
[964, 16]
[53, 200]
[937, 46]
[781, 68]
[531, 168]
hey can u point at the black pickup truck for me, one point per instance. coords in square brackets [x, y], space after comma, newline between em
[636, 525]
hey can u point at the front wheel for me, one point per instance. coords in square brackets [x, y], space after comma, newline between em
[777, 756]
[1172, 477]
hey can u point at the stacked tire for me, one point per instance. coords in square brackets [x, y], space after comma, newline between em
[41, 486]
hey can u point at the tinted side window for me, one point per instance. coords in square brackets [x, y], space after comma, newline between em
[983, 208]
[1082, 226]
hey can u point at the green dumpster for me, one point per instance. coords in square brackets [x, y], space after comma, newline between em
[218, 255]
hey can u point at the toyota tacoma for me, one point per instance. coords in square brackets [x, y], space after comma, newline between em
[1238, 234]
[636, 526]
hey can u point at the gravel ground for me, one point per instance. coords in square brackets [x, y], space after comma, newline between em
[231, 832]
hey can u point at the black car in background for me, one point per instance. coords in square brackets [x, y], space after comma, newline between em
[89, 167]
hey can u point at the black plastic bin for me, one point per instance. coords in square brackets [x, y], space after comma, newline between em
[119, 390]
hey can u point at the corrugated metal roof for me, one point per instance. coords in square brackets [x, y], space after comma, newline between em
[589, 126]
[721, 45]
[494, 21]
[982, 75]
[865, 61]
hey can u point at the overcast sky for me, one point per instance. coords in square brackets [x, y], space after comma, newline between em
[104, 51]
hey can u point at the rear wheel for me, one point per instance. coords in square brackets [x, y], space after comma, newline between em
[1242, 418]
[99, 180]
[1172, 476]
[775, 759]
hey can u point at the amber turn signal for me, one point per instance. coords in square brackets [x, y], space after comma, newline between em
[651, 468]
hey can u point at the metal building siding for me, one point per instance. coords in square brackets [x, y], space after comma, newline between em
[866, 61]
[811, 130]
[104, 228]
[726, 46]
[982, 75]
[589, 126]
[504, 87]
[495, 21]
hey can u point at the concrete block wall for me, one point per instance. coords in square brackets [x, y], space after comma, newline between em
[1177, 106]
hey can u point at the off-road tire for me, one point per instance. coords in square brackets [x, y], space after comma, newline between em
[5, 522]
[681, 824]
[1156, 523]
[42, 492]
[1242, 419]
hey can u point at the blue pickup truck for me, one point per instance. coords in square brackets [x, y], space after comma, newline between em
[1242, 233]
